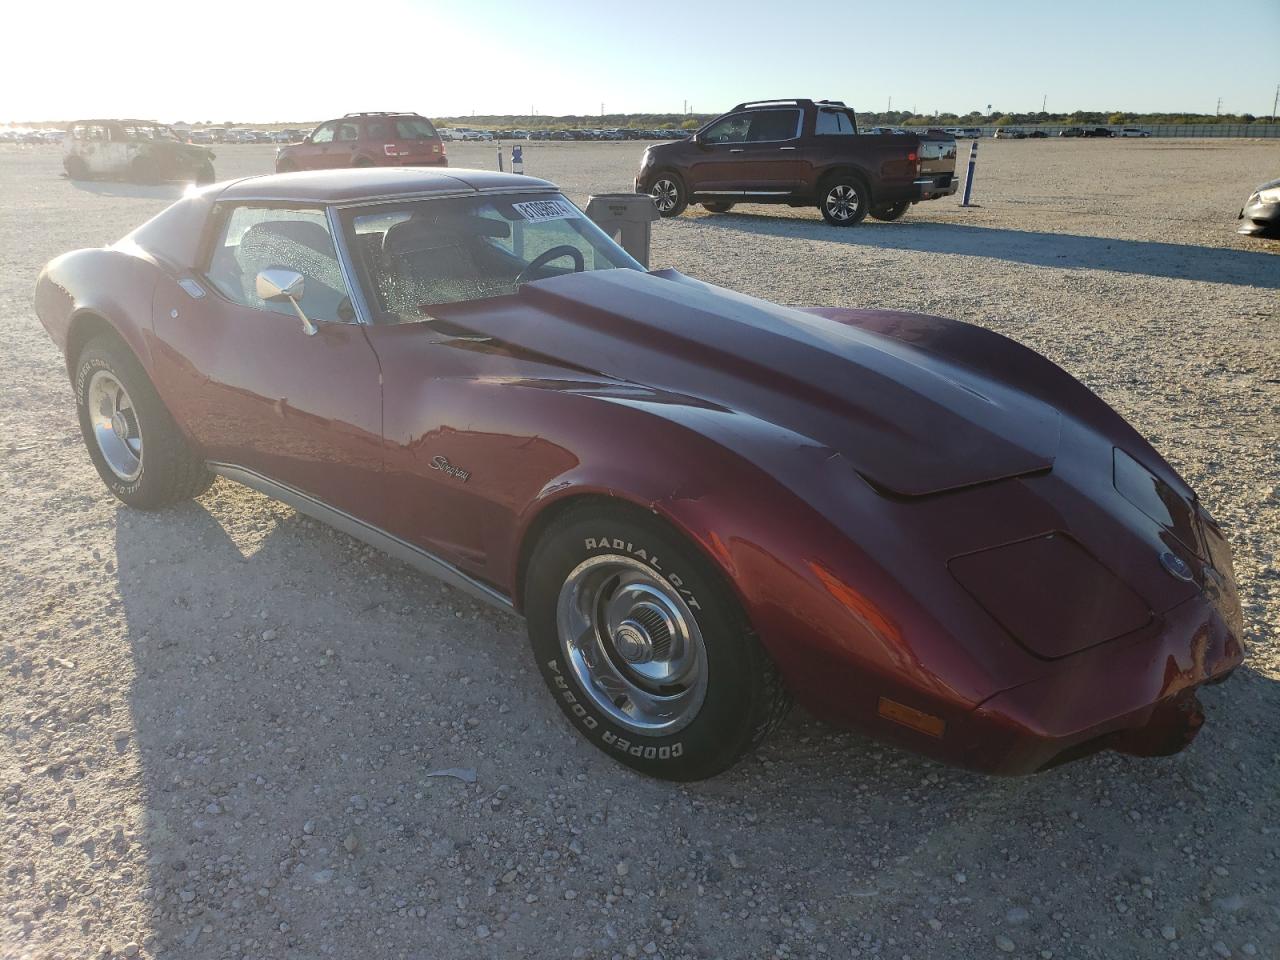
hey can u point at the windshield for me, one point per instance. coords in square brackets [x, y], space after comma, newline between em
[414, 255]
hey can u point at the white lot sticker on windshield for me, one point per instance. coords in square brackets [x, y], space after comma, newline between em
[535, 210]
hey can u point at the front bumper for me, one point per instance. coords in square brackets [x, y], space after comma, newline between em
[1135, 696]
[1260, 220]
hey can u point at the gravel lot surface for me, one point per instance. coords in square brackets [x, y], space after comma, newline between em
[218, 723]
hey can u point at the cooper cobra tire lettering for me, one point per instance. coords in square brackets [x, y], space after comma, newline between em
[649, 557]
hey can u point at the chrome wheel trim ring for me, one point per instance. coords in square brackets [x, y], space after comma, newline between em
[842, 201]
[665, 193]
[632, 644]
[114, 422]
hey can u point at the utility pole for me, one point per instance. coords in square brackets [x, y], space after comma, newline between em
[890, 110]
[602, 108]
[1043, 100]
[1274, 103]
[1218, 110]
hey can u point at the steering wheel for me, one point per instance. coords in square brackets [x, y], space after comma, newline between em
[555, 253]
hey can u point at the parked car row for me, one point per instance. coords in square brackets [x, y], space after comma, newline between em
[31, 136]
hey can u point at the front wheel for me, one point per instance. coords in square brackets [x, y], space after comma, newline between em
[132, 440]
[644, 648]
[844, 202]
[892, 212]
[668, 195]
[205, 174]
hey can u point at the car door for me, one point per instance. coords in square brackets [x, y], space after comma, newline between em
[248, 384]
[346, 143]
[713, 164]
[771, 159]
[313, 153]
[95, 148]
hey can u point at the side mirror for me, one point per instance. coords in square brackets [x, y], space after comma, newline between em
[278, 283]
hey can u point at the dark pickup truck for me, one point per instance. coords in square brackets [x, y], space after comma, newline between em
[801, 153]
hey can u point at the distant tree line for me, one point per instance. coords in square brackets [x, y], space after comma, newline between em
[891, 118]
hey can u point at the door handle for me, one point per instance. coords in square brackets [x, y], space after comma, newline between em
[786, 148]
[735, 150]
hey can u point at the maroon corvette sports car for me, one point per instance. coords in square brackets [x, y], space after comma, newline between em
[703, 504]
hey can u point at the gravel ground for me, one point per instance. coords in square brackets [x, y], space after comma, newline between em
[218, 723]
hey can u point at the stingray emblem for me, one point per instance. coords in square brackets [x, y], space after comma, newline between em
[452, 469]
[1176, 566]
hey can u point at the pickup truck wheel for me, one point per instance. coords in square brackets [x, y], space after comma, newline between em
[844, 202]
[891, 212]
[286, 166]
[644, 648]
[205, 174]
[132, 440]
[718, 207]
[76, 168]
[668, 194]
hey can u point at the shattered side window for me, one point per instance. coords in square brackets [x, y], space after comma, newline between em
[254, 239]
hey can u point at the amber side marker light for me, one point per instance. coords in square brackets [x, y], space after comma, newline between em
[911, 717]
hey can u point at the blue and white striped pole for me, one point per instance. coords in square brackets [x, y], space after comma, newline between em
[968, 177]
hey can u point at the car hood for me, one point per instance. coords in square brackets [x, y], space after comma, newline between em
[910, 422]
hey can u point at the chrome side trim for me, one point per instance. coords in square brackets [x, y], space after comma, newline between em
[374, 536]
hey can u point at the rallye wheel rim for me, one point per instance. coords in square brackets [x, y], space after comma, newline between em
[842, 201]
[632, 644]
[665, 194]
[115, 425]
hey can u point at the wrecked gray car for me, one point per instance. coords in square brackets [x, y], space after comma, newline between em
[137, 150]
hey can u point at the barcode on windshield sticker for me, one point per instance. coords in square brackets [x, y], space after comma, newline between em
[535, 210]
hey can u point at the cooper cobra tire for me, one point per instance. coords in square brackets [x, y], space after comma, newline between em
[667, 190]
[718, 207]
[843, 201]
[135, 446]
[892, 212]
[604, 582]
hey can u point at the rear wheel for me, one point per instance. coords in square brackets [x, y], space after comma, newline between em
[844, 201]
[205, 174]
[718, 207]
[132, 440]
[644, 648]
[286, 166]
[76, 168]
[892, 212]
[668, 194]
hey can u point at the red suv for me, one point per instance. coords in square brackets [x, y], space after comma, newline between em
[366, 140]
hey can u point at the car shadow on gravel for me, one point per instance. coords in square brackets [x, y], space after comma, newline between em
[135, 191]
[1061, 250]
[292, 690]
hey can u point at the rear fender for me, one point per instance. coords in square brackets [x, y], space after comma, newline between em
[86, 291]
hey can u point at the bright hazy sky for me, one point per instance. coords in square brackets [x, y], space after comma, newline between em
[265, 60]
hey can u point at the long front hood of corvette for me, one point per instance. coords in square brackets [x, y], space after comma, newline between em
[911, 423]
